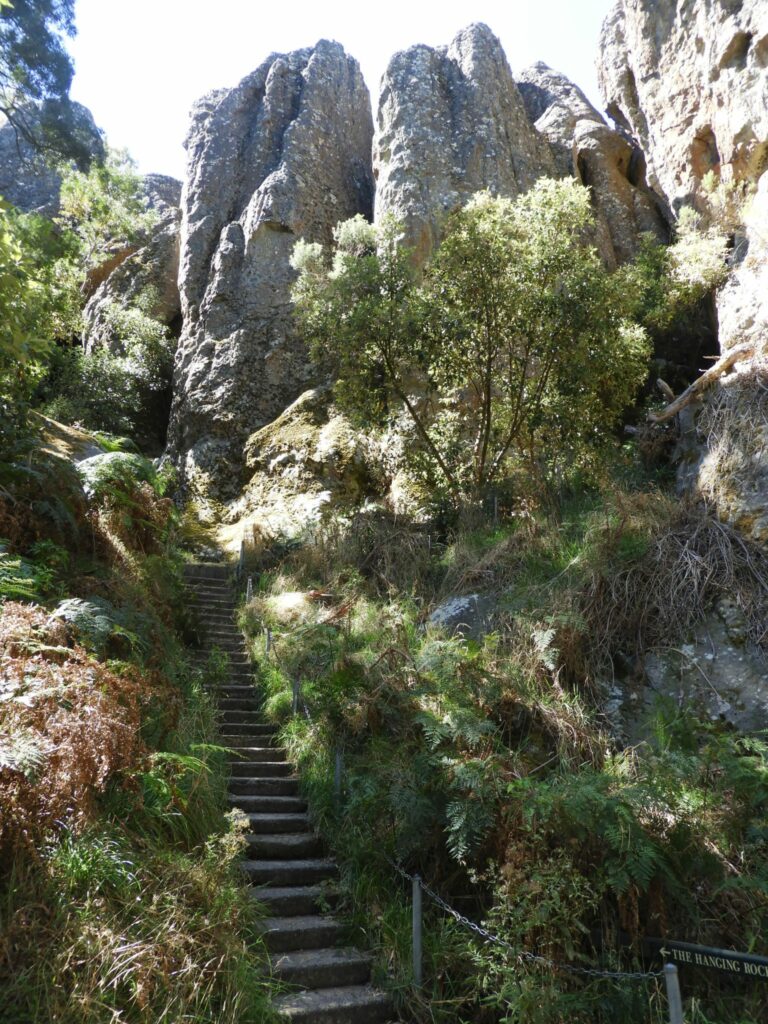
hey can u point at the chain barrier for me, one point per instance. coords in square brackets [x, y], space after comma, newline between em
[523, 955]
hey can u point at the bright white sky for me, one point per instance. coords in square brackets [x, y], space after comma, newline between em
[140, 64]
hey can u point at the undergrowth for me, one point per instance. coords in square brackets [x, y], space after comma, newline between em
[486, 763]
[120, 893]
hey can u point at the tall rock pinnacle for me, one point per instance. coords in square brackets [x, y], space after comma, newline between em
[284, 155]
[451, 122]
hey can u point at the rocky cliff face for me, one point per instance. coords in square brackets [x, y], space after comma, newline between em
[284, 155]
[27, 180]
[689, 81]
[451, 122]
[604, 159]
[153, 266]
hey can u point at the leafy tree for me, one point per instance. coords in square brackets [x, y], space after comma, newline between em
[35, 77]
[106, 210]
[516, 343]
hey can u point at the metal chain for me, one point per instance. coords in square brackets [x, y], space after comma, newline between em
[497, 940]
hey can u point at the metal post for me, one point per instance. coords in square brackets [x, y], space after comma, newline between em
[249, 590]
[241, 560]
[673, 994]
[337, 769]
[417, 931]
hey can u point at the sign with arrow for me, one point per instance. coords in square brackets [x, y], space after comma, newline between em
[682, 953]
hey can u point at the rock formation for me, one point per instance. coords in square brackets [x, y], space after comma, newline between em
[152, 268]
[284, 155]
[27, 179]
[689, 81]
[451, 122]
[586, 148]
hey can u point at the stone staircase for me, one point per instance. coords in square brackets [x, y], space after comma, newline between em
[325, 982]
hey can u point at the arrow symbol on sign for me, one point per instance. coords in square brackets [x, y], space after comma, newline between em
[664, 952]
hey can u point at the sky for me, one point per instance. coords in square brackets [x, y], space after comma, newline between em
[140, 64]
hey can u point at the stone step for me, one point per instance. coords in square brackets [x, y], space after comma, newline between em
[251, 702]
[259, 785]
[268, 804]
[281, 934]
[278, 824]
[241, 745]
[231, 647]
[322, 968]
[266, 750]
[203, 655]
[299, 900]
[212, 601]
[235, 691]
[290, 872]
[249, 769]
[242, 732]
[283, 845]
[207, 570]
[349, 1004]
[203, 593]
[241, 716]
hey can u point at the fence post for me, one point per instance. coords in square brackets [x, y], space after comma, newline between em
[249, 590]
[337, 770]
[673, 994]
[417, 930]
[241, 560]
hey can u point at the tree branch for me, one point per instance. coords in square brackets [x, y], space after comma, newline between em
[703, 382]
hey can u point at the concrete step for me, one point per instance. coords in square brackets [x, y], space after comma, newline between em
[234, 661]
[290, 872]
[273, 769]
[207, 570]
[241, 716]
[252, 755]
[265, 729]
[349, 1004]
[250, 703]
[261, 785]
[210, 601]
[268, 804]
[244, 731]
[281, 934]
[322, 968]
[299, 900]
[234, 691]
[272, 824]
[283, 845]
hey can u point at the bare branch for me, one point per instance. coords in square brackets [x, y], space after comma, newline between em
[703, 382]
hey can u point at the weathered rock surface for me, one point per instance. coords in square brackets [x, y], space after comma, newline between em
[153, 268]
[469, 615]
[742, 303]
[307, 460]
[598, 156]
[451, 122]
[690, 82]
[27, 180]
[284, 155]
[715, 673]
